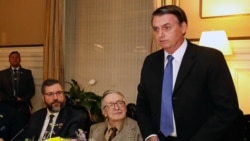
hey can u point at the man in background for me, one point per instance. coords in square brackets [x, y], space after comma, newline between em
[17, 84]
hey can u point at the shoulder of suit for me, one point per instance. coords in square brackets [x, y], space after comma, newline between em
[157, 53]
[202, 50]
[155, 56]
[65, 111]
[40, 112]
[100, 125]
[24, 69]
[5, 70]
[130, 122]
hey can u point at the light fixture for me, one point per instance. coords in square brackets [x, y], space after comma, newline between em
[216, 39]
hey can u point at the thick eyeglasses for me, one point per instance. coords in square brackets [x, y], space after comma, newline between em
[58, 93]
[112, 105]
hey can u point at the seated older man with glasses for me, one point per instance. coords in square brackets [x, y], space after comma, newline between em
[117, 127]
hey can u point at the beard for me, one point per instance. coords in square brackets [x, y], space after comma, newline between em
[55, 106]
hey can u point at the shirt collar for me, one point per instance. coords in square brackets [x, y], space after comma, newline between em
[179, 53]
[119, 127]
[49, 113]
[15, 68]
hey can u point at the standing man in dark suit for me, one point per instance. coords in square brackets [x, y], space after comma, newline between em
[18, 85]
[65, 122]
[204, 101]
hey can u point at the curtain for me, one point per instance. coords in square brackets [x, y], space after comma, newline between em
[53, 66]
[107, 41]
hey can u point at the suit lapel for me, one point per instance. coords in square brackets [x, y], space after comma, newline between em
[59, 122]
[21, 75]
[127, 132]
[9, 75]
[186, 65]
[100, 132]
[21, 70]
[39, 124]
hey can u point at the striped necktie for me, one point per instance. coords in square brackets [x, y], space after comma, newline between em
[15, 82]
[113, 134]
[48, 132]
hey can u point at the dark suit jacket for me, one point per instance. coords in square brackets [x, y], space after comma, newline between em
[10, 123]
[26, 84]
[68, 121]
[204, 99]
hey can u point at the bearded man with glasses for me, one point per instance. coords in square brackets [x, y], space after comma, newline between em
[56, 120]
[117, 127]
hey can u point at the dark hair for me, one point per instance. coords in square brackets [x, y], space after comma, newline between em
[49, 82]
[171, 9]
[14, 52]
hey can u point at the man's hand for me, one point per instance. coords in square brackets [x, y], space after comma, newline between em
[153, 138]
[18, 99]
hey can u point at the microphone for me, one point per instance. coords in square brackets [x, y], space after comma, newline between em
[17, 134]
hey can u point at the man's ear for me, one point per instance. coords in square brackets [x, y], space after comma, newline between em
[104, 113]
[184, 28]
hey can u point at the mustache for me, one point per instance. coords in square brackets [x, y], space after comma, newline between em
[55, 105]
[55, 102]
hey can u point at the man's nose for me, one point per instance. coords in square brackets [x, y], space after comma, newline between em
[55, 96]
[160, 33]
[116, 106]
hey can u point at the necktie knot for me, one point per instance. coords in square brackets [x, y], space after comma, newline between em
[50, 122]
[114, 129]
[170, 58]
[113, 134]
[15, 72]
[51, 117]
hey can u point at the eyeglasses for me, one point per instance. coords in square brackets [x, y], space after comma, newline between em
[119, 103]
[58, 93]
